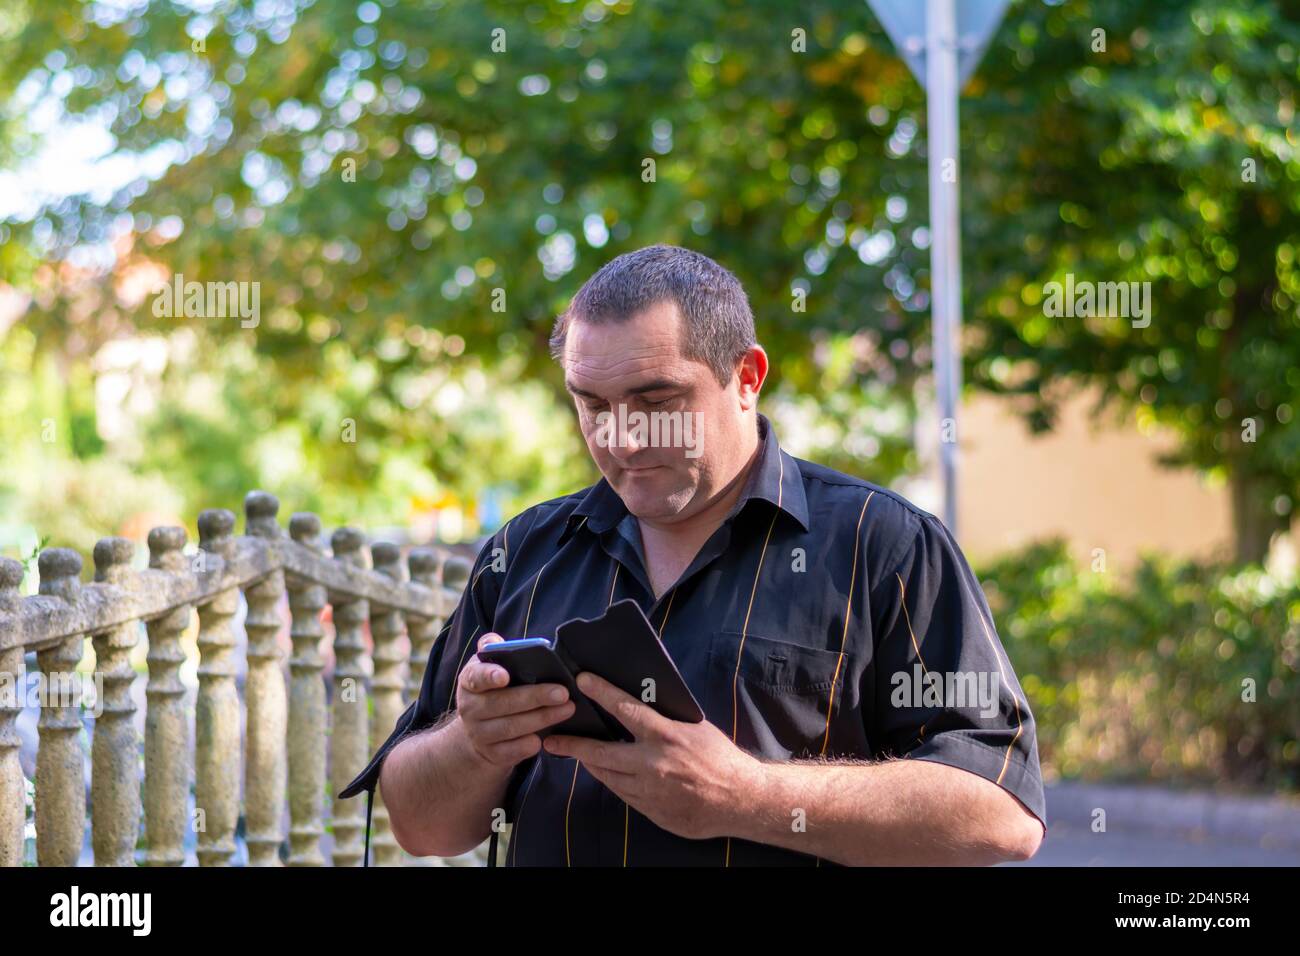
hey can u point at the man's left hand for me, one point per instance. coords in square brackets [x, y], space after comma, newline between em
[689, 779]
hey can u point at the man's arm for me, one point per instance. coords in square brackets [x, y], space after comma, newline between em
[442, 785]
[446, 766]
[440, 795]
[692, 780]
[893, 812]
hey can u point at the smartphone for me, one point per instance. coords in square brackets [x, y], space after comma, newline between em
[533, 660]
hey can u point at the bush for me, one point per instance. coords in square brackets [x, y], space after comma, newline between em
[1172, 670]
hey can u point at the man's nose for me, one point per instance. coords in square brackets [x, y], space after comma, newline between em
[620, 440]
[622, 444]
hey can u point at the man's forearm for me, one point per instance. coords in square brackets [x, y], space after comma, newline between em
[439, 793]
[897, 812]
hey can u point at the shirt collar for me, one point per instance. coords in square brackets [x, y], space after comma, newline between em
[775, 477]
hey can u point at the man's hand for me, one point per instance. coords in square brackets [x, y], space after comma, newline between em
[443, 787]
[501, 722]
[689, 779]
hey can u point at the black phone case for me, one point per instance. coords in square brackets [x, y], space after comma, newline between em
[541, 665]
[621, 646]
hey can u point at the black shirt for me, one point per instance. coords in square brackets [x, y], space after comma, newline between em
[826, 616]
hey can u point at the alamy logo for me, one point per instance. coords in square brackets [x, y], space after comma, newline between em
[179, 299]
[653, 430]
[1124, 300]
[37, 689]
[102, 909]
[951, 690]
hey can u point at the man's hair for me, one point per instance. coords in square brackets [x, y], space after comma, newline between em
[717, 323]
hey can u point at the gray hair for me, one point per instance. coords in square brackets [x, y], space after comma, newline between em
[718, 323]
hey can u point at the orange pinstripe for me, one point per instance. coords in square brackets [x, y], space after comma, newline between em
[902, 599]
[848, 611]
[744, 630]
[1006, 761]
[567, 807]
[627, 813]
[578, 763]
[528, 786]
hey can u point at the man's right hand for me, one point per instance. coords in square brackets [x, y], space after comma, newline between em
[501, 722]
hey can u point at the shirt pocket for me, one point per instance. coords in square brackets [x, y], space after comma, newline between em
[772, 696]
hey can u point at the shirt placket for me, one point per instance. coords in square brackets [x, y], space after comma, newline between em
[615, 826]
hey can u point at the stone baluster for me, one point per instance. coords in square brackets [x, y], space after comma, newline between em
[306, 706]
[455, 574]
[425, 566]
[12, 681]
[166, 724]
[386, 628]
[60, 760]
[350, 727]
[265, 698]
[114, 752]
[216, 715]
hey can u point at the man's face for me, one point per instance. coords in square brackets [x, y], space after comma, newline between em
[638, 363]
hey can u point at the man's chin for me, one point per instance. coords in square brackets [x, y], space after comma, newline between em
[650, 497]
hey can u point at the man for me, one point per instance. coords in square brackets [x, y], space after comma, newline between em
[860, 708]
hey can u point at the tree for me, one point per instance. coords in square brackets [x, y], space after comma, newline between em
[388, 167]
[1152, 143]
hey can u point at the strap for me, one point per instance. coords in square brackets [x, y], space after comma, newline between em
[492, 848]
[365, 856]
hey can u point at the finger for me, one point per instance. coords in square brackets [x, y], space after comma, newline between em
[504, 701]
[595, 753]
[638, 718]
[520, 725]
[479, 677]
[507, 753]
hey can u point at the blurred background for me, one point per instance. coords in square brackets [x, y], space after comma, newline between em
[419, 187]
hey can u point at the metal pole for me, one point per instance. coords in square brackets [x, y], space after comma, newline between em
[945, 235]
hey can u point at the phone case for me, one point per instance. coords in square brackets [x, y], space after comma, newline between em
[621, 646]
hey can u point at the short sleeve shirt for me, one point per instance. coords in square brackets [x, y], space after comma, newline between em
[826, 618]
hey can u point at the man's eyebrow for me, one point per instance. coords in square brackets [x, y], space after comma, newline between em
[655, 386]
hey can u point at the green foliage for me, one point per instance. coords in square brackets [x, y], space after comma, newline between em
[1171, 157]
[478, 170]
[49, 494]
[1142, 674]
[521, 170]
[468, 179]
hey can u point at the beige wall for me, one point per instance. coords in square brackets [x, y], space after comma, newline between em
[1099, 486]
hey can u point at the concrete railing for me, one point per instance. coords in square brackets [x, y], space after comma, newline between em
[288, 721]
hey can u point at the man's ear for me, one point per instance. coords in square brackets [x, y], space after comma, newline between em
[751, 371]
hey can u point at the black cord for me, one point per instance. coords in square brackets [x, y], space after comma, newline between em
[492, 848]
[365, 856]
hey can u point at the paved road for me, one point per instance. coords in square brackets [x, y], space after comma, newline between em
[1150, 826]
[1080, 847]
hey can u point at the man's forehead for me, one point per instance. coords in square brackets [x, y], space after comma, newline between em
[633, 370]
[628, 354]
[657, 326]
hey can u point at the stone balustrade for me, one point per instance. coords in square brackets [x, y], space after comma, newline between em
[279, 757]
